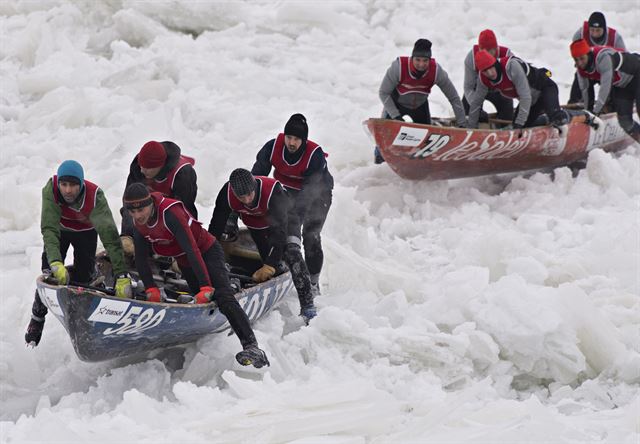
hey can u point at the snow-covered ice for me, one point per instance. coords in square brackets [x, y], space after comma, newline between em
[496, 309]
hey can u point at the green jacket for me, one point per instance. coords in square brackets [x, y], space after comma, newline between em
[100, 217]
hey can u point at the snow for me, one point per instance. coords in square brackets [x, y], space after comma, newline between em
[495, 309]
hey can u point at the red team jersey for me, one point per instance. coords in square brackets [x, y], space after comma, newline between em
[254, 217]
[77, 220]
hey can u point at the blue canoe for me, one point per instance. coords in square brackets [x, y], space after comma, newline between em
[104, 327]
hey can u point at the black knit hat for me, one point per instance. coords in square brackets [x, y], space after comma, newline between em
[297, 126]
[422, 48]
[136, 196]
[597, 20]
[242, 182]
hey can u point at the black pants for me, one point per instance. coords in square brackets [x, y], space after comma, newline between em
[312, 225]
[420, 114]
[223, 295]
[84, 245]
[575, 95]
[504, 106]
[548, 103]
[624, 98]
[293, 258]
[262, 240]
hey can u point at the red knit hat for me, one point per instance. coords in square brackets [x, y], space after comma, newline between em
[152, 155]
[579, 48]
[487, 40]
[483, 60]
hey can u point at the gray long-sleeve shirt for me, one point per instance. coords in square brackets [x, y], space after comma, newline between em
[527, 96]
[603, 65]
[415, 100]
[471, 75]
[618, 43]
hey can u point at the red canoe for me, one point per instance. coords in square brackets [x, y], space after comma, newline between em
[416, 151]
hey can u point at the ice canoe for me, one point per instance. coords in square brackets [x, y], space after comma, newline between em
[104, 327]
[431, 152]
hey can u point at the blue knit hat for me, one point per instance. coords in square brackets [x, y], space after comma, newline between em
[71, 171]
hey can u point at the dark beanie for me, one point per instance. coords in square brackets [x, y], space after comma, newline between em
[136, 196]
[152, 155]
[422, 48]
[297, 126]
[597, 20]
[242, 182]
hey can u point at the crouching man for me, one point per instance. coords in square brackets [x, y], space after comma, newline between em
[165, 226]
[263, 204]
[75, 212]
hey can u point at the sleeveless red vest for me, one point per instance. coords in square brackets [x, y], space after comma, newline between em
[291, 175]
[77, 220]
[162, 240]
[611, 35]
[165, 186]
[595, 75]
[505, 85]
[503, 51]
[411, 84]
[255, 217]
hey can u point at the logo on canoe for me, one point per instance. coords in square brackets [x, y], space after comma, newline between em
[256, 304]
[109, 311]
[50, 298]
[610, 132]
[410, 136]
[483, 146]
[435, 142]
[135, 321]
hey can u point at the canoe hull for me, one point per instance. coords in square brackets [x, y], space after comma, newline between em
[103, 327]
[429, 152]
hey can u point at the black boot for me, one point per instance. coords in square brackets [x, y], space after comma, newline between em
[252, 355]
[309, 312]
[34, 331]
[377, 157]
[635, 132]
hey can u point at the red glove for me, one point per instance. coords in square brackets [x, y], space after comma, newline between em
[204, 296]
[153, 294]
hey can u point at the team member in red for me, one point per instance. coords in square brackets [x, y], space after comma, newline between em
[407, 84]
[166, 227]
[74, 213]
[301, 167]
[504, 105]
[163, 168]
[596, 33]
[263, 204]
[512, 77]
[619, 75]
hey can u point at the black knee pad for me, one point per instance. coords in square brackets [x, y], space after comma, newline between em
[311, 240]
[292, 254]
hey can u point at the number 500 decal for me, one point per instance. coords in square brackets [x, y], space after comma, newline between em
[434, 143]
[135, 322]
